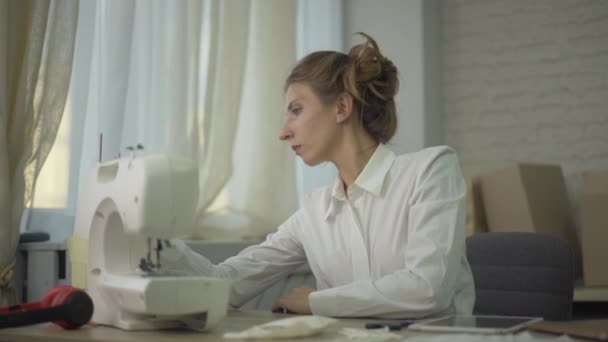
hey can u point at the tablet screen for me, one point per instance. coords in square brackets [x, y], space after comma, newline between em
[479, 321]
[468, 323]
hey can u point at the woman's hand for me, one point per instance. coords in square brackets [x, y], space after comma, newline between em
[295, 302]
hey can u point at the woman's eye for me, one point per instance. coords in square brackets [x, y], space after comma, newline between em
[296, 111]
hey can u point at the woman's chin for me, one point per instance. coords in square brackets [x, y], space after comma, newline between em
[311, 162]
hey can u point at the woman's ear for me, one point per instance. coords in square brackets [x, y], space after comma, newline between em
[345, 107]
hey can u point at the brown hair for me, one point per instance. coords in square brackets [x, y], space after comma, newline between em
[369, 77]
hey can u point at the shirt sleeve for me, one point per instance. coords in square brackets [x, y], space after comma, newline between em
[258, 267]
[252, 270]
[434, 252]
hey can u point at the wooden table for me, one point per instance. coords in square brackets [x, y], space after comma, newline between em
[236, 320]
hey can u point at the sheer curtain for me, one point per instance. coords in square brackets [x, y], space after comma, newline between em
[37, 41]
[167, 75]
[183, 78]
[262, 192]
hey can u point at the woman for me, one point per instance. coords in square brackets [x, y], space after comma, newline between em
[387, 239]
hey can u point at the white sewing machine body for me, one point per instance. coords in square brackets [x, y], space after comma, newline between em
[131, 203]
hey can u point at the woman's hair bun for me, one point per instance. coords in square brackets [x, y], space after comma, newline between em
[369, 70]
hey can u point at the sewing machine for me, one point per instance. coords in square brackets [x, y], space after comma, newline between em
[132, 206]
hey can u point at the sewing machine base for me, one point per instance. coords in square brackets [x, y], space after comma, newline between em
[132, 302]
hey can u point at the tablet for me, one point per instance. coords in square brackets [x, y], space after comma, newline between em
[475, 324]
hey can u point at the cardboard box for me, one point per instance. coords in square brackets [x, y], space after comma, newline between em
[594, 228]
[529, 198]
[476, 217]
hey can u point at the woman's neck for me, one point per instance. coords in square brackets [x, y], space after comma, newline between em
[356, 151]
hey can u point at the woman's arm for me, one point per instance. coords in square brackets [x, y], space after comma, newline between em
[254, 269]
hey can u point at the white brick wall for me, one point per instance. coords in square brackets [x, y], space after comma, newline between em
[527, 80]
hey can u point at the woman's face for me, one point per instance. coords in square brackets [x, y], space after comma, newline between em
[310, 126]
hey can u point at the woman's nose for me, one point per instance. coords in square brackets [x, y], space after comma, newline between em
[284, 133]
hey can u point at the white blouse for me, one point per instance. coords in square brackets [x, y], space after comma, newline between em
[393, 248]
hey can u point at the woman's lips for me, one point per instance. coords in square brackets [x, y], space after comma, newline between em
[296, 148]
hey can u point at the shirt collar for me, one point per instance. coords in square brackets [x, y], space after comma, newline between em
[371, 179]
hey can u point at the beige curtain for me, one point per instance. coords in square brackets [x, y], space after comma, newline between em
[37, 41]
